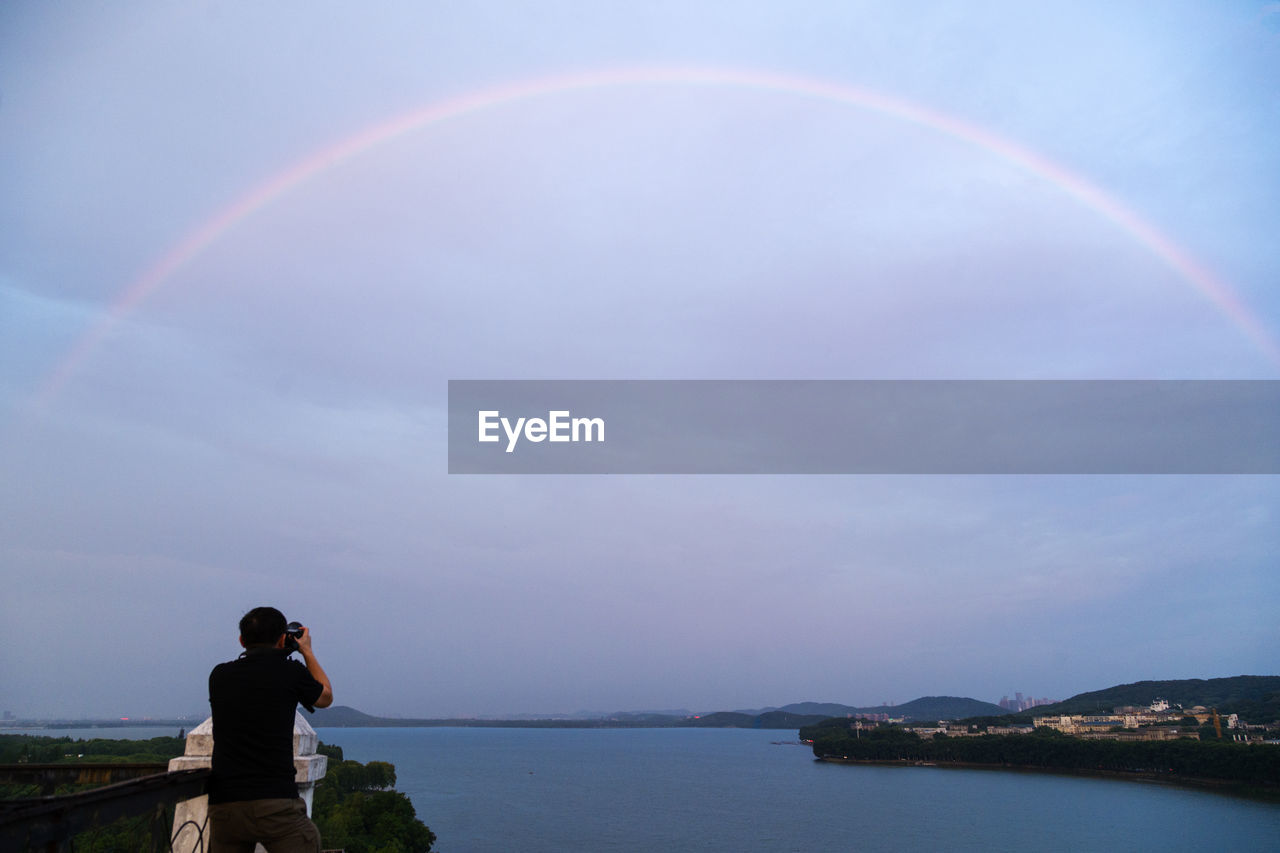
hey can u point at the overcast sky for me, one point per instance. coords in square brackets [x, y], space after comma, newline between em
[245, 245]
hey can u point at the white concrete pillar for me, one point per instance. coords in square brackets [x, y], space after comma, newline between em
[191, 818]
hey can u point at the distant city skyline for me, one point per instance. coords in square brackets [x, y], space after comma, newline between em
[1020, 704]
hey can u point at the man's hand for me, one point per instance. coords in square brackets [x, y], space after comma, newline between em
[313, 667]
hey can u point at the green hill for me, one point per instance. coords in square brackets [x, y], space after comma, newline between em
[739, 720]
[924, 708]
[344, 715]
[825, 709]
[1256, 698]
[945, 708]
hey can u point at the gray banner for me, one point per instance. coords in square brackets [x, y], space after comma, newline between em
[864, 427]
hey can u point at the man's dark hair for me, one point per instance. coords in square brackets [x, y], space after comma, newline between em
[262, 626]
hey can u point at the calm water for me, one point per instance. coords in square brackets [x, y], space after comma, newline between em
[671, 790]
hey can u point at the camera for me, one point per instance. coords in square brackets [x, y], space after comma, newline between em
[292, 632]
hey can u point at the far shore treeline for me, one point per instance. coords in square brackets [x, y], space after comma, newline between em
[1255, 698]
[1255, 767]
[787, 717]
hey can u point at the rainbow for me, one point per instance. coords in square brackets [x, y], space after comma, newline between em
[1217, 292]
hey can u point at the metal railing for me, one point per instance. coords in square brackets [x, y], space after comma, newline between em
[49, 823]
[50, 776]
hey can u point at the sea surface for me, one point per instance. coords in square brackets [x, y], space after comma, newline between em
[674, 790]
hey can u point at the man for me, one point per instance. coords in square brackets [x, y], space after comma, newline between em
[252, 794]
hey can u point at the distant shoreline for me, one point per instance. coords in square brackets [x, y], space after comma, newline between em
[60, 725]
[381, 723]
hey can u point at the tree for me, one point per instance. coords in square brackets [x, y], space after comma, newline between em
[356, 809]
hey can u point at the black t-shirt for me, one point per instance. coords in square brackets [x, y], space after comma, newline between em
[254, 699]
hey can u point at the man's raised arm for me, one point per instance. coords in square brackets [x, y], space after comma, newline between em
[313, 667]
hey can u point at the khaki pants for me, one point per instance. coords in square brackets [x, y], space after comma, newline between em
[281, 826]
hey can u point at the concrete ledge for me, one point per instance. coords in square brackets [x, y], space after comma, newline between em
[305, 738]
[190, 762]
[200, 739]
[310, 768]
